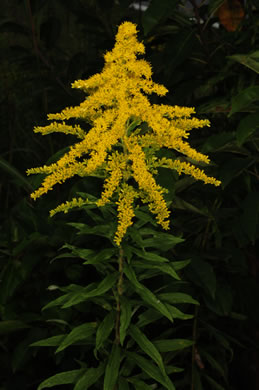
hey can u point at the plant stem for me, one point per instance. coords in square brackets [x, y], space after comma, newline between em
[194, 337]
[119, 293]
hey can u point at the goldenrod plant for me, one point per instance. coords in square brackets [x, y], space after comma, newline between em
[122, 143]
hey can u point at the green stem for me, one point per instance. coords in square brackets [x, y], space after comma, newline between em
[194, 338]
[119, 294]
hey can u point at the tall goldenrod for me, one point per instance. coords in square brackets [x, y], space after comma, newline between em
[117, 145]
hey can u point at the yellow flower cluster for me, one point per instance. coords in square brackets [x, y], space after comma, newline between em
[117, 145]
[125, 204]
[75, 202]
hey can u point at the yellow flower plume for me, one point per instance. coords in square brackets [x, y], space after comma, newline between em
[117, 146]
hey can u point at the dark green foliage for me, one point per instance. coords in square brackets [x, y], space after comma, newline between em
[189, 314]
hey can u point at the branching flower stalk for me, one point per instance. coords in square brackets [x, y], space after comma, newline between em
[117, 146]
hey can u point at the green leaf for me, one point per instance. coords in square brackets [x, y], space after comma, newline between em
[176, 297]
[202, 274]
[149, 316]
[11, 277]
[155, 12]
[161, 241]
[125, 318]
[104, 255]
[240, 102]
[213, 6]
[105, 329]
[180, 264]
[250, 215]
[146, 294]
[90, 377]
[63, 378]
[233, 168]
[217, 142]
[143, 218]
[112, 368]
[246, 127]
[215, 105]
[251, 60]
[16, 175]
[182, 43]
[75, 298]
[172, 345]
[139, 384]
[72, 290]
[176, 313]
[80, 252]
[221, 338]
[166, 268]
[150, 369]
[123, 384]
[223, 302]
[183, 205]
[132, 126]
[79, 333]
[150, 256]
[214, 363]
[213, 383]
[136, 237]
[49, 342]
[147, 346]
[99, 230]
[11, 326]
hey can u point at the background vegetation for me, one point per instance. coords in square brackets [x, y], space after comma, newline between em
[205, 53]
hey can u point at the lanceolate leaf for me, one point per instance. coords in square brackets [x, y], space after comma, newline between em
[160, 240]
[126, 312]
[139, 384]
[250, 215]
[172, 345]
[246, 127]
[151, 370]
[123, 384]
[99, 230]
[49, 342]
[79, 333]
[112, 368]
[71, 290]
[17, 176]
[149, 316]
[146, 294]
[180, 264]
[105, 329]
[242, 101]
[10, 326]
[147, 346]
[213, 383]
[249, 60]
[150, 256]
[155, 12]
[104, 286]
[166, 268]
[76, 297]
[176, 313]
[63, 378]
[214, 363]
[176, 297]
[90, 377]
